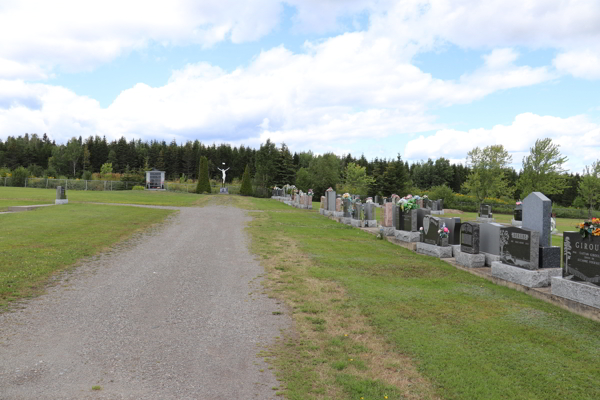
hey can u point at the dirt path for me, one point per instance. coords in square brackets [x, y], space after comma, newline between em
[167, 316]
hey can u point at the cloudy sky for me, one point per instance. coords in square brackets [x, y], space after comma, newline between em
[423, 78]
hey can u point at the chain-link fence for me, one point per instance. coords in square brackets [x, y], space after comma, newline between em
[78, 184]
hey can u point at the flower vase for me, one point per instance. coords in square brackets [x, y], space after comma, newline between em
[444, 242]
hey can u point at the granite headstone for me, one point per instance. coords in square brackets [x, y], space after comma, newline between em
[519, 247]
[469, 238]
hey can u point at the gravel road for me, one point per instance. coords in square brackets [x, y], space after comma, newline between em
[167, 315]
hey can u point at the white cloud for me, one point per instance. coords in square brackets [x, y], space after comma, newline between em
[580, 63]
[578, 137]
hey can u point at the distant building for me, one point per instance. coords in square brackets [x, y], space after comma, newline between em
[155, 180]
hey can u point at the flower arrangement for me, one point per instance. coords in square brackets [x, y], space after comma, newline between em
[408, 196]
[346, 196]
[410, 204]
[443, 232]
[369, 200]
[330, 190]
[310, 192]
[518, 203]
[589, 228]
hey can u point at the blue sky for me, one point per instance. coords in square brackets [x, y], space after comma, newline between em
[421, 78]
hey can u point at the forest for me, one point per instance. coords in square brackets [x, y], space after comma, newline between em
[488, 173]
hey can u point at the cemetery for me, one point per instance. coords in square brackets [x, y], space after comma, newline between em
[520, 253]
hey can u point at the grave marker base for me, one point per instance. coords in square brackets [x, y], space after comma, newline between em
[434, 251]
[65, 201]
[470, 260]
[581, 292]
[516, 223]
[406, 236]
[526, 277]
[370, 223]
[484, 219]
[357, 223]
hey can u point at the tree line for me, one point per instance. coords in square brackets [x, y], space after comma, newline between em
[487, 172]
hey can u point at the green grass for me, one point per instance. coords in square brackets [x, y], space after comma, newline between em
[157, 198]
[36, 244]
[470, 338]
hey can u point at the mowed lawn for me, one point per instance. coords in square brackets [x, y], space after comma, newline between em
[149, 197]
[34, 245]
[469, 338]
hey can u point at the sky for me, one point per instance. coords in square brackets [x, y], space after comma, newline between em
[419, 78]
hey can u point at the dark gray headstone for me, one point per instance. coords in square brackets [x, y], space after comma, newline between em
[357, 210]
[369, 211]
[537, 216]
[421, 213]
[395, 217]
[330, 196]
[398, 217]
[453, 225]
[61, 193]
[489, 238]
[410, 221]
[431, 226]
[518, 213]
[347, 204]
[520, 247]
[376, 200]
[581, 257]
[469, 238]
[485, 211]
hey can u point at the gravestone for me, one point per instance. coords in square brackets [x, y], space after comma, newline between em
[537, 214]
[489, 241]
[330, 194]
[519, 247]
[369, 215]
[431, 226]
[388, 220]
[356, 220]
[61, 195]
[469, 238]
[485, 211]
[581, 257]
[421, 213]
[518, 215]
[347, 206]
[398, 217]
[410, 221]
[376, 199]
[338, 206]
[323, 203]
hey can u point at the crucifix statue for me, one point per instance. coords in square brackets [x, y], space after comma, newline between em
[223, 171]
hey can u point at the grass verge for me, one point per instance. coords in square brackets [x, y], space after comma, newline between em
[417, 327]
[34, 245]
[148, 197]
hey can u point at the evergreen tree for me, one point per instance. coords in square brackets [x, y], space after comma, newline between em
[203, 181]
[246, 189]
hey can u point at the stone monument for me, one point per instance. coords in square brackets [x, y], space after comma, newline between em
[581, 279]
[61, 195]
[468, 255]
[485, 213]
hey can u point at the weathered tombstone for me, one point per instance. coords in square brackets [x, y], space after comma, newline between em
[469, 238]
[376, 199]
[519, 247]
[338, 206]
[61, 195]
[323, 205]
